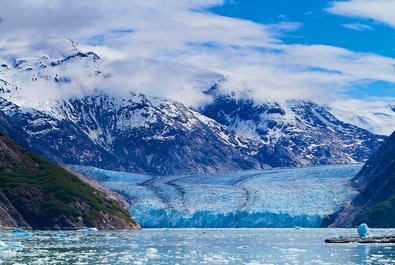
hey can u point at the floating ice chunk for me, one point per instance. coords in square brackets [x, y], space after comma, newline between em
[152, 253]
[363, 230]
[152, 250]
[21, 233]
[15, 245]
[7, 254]
[60, 234]
[18, 230]
[3, 245]
[40, 261]
[88, 230]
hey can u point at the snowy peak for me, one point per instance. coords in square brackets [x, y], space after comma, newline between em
[21, 79]
[59, 100]
[294, 133]
[141, 134]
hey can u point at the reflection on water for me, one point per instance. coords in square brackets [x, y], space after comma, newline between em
[192, 246]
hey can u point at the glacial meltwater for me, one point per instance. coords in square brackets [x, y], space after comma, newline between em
[192, 246]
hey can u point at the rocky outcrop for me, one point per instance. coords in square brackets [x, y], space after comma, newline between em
[375, 204]
[38, 194]
[9, 216]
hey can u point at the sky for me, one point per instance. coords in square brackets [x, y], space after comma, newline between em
[328, 51]
[359, 26]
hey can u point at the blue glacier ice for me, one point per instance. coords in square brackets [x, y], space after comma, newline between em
[363, 230]
[298, 197]
[3, 245]
[18, 232]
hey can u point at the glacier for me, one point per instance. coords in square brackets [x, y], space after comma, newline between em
[276, 198]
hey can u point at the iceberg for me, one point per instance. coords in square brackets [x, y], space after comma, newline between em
[363, 230]
[3, 245]
[297, 197]
[88, 230]
[18, 232]
[16, 245]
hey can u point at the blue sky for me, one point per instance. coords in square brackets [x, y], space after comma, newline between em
[314, 24]
[317, 25]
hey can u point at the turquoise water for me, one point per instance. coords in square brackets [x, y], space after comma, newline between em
[192, 246]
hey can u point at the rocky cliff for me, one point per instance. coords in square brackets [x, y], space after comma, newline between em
[375, 204]
[38, 194]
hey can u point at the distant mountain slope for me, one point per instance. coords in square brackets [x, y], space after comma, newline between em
[375, 205]
[138, 133]
[35, 193]
[293, 133]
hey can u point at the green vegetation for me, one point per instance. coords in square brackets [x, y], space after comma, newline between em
[44, 192]
[380, 215]
[380, 190]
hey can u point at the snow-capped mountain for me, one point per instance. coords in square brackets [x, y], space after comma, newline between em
[140, 134]
[61, 105]
[294, 133]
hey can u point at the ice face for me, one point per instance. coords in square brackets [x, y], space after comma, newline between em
[363, 230]
[269, 198]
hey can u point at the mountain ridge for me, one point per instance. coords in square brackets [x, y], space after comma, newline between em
[144, 134]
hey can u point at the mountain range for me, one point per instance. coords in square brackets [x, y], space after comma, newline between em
[146, 134]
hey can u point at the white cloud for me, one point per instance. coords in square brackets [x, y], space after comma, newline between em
[377, 116]
[379, 10]
[175, 49]
[358, 26]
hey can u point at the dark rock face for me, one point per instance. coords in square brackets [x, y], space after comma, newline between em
[37, 194]
[9, 216]
[294, 133]
[375, 205]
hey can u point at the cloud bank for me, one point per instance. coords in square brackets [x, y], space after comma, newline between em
[177, 49]
[379, 10]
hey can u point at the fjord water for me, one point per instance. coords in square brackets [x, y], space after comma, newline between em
[192, 246]
[287, 197]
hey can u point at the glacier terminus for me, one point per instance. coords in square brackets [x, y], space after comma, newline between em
[299, 197]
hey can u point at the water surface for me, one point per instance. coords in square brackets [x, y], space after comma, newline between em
[192, 246]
